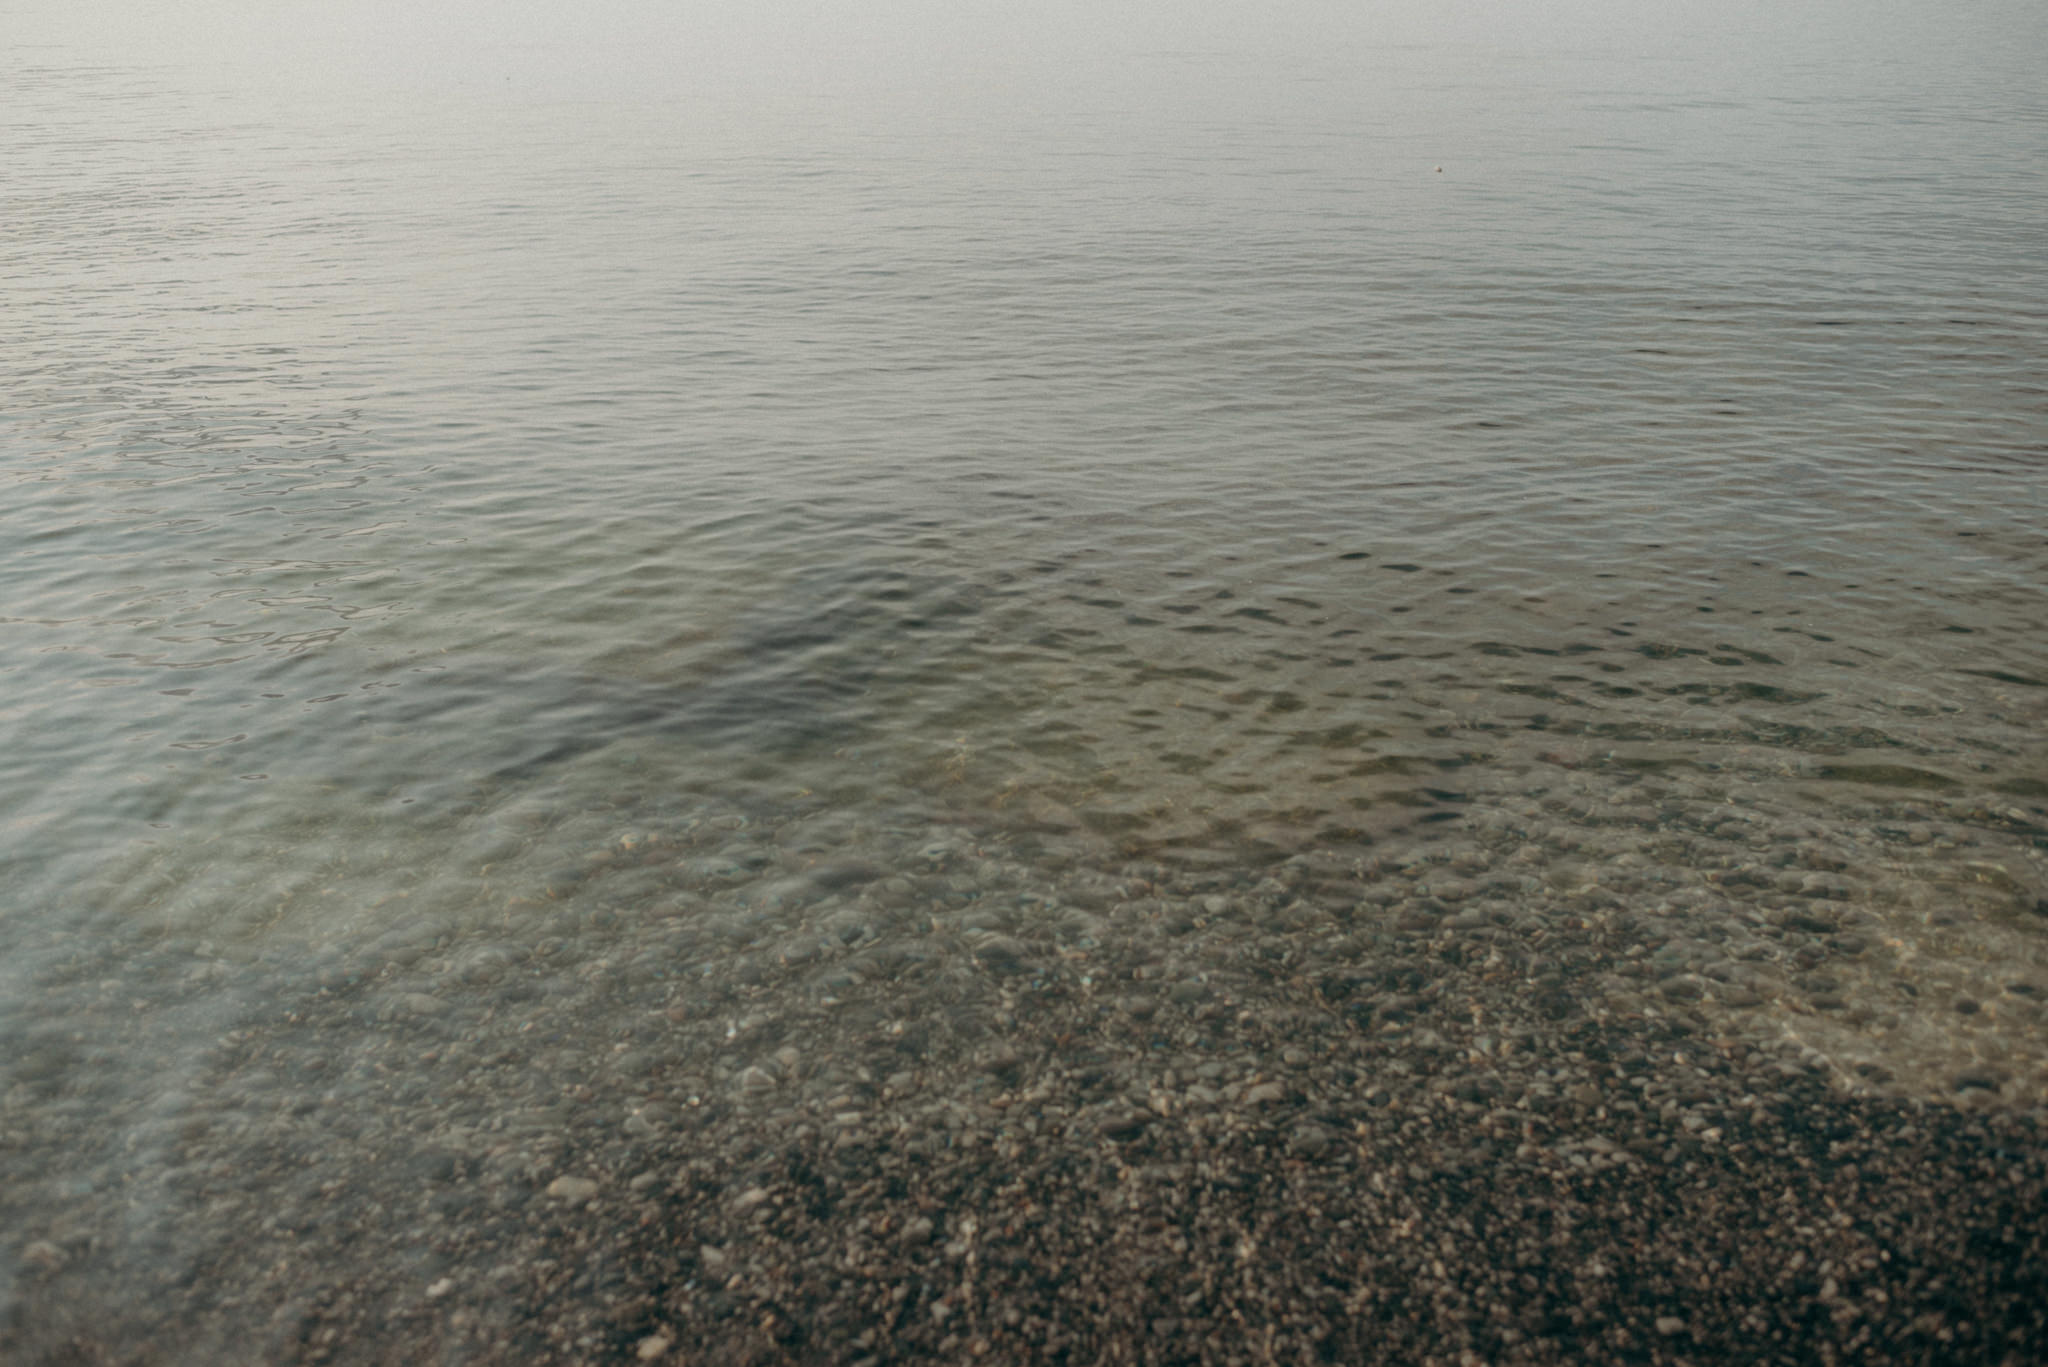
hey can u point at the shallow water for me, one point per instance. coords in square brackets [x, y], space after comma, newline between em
[547, 508]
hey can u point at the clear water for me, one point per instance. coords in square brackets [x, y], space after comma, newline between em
[437, 459]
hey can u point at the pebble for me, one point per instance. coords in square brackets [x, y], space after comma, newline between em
[1310, 1141]
[1123, 1123]
[409, 1005]
[43, 1254]
[572, 1188]
[1000, 953]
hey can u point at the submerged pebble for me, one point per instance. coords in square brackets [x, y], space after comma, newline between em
[909, 1010]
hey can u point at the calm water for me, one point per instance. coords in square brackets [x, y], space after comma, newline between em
[1201, 442]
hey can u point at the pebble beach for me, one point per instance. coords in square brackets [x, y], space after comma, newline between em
[765, 1086]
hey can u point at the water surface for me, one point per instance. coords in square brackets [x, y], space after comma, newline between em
[1400, 444]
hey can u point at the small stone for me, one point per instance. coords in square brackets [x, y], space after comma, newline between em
[1123, 1123]
[43, 1254]
[440, 1288]
[1265, 1094]
[411, 1006]
[999, 953]
[848, 873]
[1309, 1141]
[748, 1199]
[572, 1188]
[1668, 1325]
[653, 1346]
[917, 1231]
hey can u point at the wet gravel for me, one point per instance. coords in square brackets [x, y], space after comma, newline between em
[748, 1084]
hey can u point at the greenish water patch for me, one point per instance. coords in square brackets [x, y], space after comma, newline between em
[1388, 764]
[1887, 776]
[1542, 691]
[1744, 692]
[1341, 737]
[2003, 677]
[1651, 764]
[1778, 735]
[1148, 673]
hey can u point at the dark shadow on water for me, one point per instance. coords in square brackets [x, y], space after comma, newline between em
[805, 671]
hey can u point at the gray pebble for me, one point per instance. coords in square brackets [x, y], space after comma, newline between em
[1310, 1140]
[572, 1188]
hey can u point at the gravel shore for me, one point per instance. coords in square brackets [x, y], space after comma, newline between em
[948, 1097]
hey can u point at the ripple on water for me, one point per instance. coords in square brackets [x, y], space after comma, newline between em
[736, 632]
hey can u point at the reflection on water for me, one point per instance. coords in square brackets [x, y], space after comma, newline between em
[475, 576]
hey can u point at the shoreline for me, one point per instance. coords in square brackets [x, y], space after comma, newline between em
[1427, 1151]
